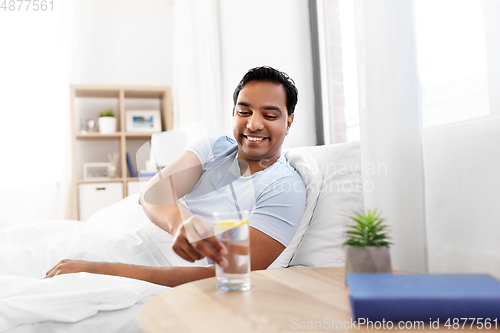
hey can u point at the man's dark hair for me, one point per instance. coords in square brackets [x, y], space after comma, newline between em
[269, 74]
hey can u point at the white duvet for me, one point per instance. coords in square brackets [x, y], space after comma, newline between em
[119, 233]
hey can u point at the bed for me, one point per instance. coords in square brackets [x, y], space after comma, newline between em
[84, 302]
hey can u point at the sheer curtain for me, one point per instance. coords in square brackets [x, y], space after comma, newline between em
[197, 86]
[426, 72]
[391, 136]
[34, 88]
[460, 78]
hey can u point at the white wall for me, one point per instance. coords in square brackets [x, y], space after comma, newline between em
[123, 42]
[274, 33]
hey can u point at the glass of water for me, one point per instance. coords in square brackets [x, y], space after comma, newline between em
[231, 228]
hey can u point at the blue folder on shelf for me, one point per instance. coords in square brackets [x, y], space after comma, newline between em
[423, 297]
[146, 174]
[130, 166]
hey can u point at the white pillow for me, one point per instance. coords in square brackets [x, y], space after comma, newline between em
[340, 197]
[125, 214]
[311, 175]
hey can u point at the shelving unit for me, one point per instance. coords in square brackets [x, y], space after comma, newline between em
[86, 102]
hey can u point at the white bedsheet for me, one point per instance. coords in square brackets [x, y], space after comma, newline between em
[67, 298]
[112, 235]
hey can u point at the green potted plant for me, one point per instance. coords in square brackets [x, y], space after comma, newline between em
[107, 121]
[368, 245]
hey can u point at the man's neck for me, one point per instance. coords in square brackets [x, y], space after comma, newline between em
[248, 168]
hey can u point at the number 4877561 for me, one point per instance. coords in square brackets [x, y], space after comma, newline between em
[27, 5]
[477, 323]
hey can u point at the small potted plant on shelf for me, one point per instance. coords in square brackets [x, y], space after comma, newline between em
[368, 245]
[107, 121]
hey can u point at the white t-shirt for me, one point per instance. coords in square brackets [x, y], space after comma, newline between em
[275, 197]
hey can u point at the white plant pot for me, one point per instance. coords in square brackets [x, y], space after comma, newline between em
[107, 125]
[370, 259]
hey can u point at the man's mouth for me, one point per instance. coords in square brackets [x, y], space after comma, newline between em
[252, 138]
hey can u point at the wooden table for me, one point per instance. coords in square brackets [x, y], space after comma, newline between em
[280, 300]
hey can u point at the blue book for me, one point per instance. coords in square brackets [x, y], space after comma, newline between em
[423, 297]
[147, 174]
[130, 166]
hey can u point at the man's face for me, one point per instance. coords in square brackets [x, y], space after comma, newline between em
[261, 121]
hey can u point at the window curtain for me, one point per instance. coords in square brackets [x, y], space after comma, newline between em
[34, 103]
[462, 157]
[391, 130]
[197, 81]
[437, 184]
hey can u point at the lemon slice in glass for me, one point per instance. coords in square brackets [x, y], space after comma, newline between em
[228, 224]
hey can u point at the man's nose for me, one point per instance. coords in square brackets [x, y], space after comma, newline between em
[255, 123]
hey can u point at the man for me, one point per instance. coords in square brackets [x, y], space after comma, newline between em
[205, 176]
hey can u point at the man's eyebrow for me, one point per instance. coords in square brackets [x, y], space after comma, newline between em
[271, 107]
[245, 104]
[267, 107]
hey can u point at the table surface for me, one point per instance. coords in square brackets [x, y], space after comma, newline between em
[280, 300]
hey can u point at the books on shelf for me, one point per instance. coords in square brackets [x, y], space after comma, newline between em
[423, 297]
[146, 174]
[130, 166]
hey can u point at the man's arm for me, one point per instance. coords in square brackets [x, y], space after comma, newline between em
[159, 198]
[166, 276]
[263, 251]
[193, 239]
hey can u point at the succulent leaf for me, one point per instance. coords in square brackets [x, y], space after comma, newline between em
[369, 229]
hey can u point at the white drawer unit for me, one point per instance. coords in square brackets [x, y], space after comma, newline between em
[133, 187]
[92, 197]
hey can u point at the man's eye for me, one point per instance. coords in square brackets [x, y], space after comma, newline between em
[269, 116]
[243, 113]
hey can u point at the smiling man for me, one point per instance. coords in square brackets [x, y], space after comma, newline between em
[211, 175]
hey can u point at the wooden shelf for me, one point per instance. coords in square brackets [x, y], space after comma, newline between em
[96, 92]
[138, 135]
[112, 180]
[97, 136]
[143, 93]
[117, 135]
[99, 180]
[136, 179]
[86, 102]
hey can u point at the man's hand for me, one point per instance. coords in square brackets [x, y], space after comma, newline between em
[194, 239]
[67, 266]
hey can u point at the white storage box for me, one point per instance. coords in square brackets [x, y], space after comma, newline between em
[95, 196]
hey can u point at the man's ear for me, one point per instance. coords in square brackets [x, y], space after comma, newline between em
[289, 122]
[233, 111]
